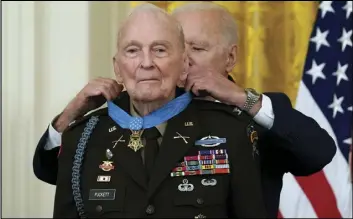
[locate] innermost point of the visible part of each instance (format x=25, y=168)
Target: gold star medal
x=135, y=142
x=135, y=126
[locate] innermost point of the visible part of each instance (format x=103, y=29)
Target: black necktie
x=151, y=149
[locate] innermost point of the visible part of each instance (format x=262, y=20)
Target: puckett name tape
x=102, y=194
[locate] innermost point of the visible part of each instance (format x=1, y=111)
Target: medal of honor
x=135, y=142
x=138, y=124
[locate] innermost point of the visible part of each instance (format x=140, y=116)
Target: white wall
x=50, y=51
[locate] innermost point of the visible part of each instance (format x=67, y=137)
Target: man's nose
x=189, y=54
x=147, y=60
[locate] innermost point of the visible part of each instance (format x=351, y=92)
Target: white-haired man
x=111, y=165
x=293, y=142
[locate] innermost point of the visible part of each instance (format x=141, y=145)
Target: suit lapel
x=128, y=159
x=173, y=149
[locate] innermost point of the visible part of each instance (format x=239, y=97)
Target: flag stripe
x=279, y=216
x=294, y=203
x=336, y=173
x=315, y=188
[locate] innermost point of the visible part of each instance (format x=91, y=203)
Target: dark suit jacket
x=295, y=144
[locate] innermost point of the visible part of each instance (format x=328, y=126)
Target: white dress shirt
x=264, y=117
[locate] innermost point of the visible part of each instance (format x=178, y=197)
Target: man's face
x=205, y=44
x=150, y=58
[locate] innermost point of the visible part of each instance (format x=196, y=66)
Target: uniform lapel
x=173, y=149
x=128, y=159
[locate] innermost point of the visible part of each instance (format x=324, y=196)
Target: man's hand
x=219, y=87
x=92, y=96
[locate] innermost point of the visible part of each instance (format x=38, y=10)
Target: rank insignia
x=210, y=141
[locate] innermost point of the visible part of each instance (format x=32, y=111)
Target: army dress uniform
x=205, y=168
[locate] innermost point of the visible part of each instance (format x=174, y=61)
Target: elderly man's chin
x=150, y=91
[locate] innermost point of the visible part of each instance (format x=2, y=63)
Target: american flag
x=325, y=94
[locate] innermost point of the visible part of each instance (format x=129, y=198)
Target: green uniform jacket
x=237, y=194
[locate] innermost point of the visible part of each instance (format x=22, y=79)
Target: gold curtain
x=273, y=41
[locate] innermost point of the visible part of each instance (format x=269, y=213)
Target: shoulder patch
x=253, y=136
x=85, y=118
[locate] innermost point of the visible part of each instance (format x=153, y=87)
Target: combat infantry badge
x=135, y=142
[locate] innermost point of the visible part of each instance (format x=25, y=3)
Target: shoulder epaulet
x=85, y=118
x=234, y=111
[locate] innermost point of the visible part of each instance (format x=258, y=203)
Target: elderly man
x=293, y=142
x=110, y=166
x=288, y=142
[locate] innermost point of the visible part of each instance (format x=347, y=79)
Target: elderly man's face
x=150, y=59
x=204, y=41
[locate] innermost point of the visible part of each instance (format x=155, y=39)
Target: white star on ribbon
x=348, y=7
x=341, y=73
x=345, y=39
x=320, y=39
x=316, y=71
x=325, y=7
x=350, y=108
x=336, y=105
x=348, y=141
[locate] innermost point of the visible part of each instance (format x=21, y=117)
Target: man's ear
x=184, y=74
x=231, y=58
x=119, y=79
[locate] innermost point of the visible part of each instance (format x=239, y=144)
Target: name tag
x=102, y=194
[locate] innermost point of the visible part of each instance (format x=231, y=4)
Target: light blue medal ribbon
x=138, y=124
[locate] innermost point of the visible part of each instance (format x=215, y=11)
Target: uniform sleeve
x=45, y=163
x=54, y=138
x=306, y=147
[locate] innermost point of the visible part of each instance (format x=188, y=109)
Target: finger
x=188, y=84
x=107, y=85
x=117, y=87
x=105, y=92
x=195, y=89
x=113, y=86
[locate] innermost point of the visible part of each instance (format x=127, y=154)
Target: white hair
x=148, y=7
x=228, y=24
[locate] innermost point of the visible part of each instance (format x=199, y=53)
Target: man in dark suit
x=173, y=156
x=289, y=141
